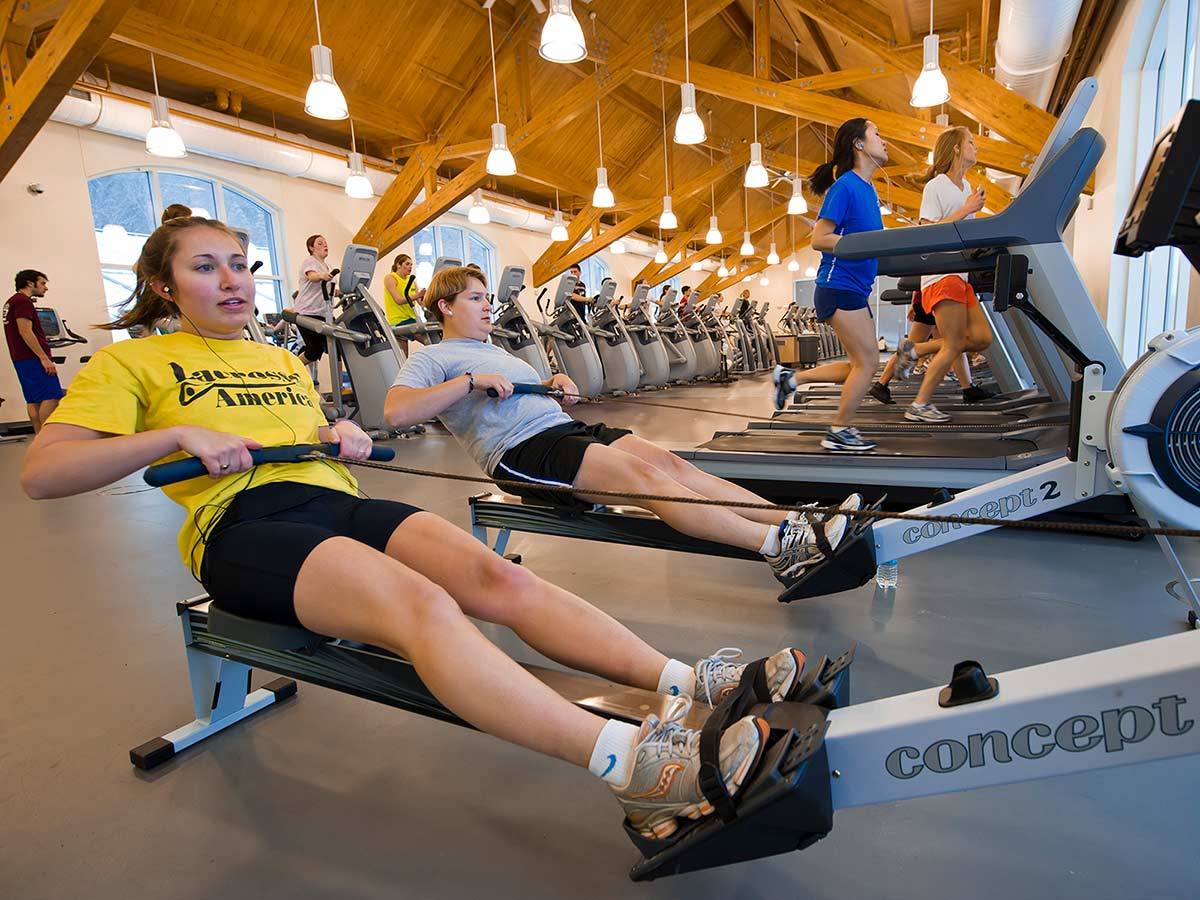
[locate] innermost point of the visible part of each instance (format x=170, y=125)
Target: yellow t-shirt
x=398, y=307
x=240, y=387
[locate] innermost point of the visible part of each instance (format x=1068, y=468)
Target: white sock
x=613, y=755
x=677, y=679
x=770, y=545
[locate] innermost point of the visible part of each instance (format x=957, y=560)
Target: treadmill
x=778, y=459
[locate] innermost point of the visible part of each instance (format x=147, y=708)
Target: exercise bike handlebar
x=523, y=388
x=179, y=470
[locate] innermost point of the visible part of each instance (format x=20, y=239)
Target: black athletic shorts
x=314, y=344
x=553, y=457
x=255, y=552
x=918, y=311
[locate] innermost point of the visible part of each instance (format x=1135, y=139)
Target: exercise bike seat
x=267, y=635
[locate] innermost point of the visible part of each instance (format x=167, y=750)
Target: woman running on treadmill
x=844, y=286
x=951, y=300
x=529, y=438
x=294, y=544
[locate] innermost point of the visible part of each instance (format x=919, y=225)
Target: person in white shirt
x=310, y=301
x=963, y=327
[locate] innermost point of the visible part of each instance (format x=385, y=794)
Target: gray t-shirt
x=310, y=300
x=487, y=428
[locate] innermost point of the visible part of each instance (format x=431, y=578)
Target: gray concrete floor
x=330, y=796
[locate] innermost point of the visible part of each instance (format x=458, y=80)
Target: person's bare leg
x=31, y=410
x=45, y=408
x=698, y=480
x=856, y=330
x=830, y=373
x=607, y=468
x=349, y=590
x=554, y=622
x=962, y=370
x=952, y=323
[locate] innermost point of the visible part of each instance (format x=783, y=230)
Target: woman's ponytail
x=849, y=133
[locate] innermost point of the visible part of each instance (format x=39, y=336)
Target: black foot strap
x=751, y=690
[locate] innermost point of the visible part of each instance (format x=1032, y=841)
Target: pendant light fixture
x=562, y=38
x=667, y=221
x=797, y=205
x=930, y=88
x=764, y=281
x=793, y=263
x=478, y=213
x=722, y=269
x=747, y=248
x=602, y=197
x=811, y=271
x=162, y=139
x=773, y=254
x=689, y=129
x=500, y=160
x=714, y=233
x=617, y=247
x=558, y=232
x=358, y=186
x=660, y=255
x=324, y=99
x=756, y=172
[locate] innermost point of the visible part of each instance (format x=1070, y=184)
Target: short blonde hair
x=448, y=284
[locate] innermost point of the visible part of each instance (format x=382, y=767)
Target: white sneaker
x=719, y=674
x=799, y=548
x=853, y=503
x=926, y=413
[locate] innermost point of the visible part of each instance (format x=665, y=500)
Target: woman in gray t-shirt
x=310, y=299
x=528, y=438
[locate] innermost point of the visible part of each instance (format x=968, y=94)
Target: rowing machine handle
x=522, y=388
x=185, y=469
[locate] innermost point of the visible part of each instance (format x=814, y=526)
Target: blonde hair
x=948, y=146
x=144, y=306
x=448, y=284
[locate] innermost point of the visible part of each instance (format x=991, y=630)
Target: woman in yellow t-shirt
x=295, y=544
x=400, y=295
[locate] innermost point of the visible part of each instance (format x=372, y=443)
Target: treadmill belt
x=866, y=416
x=890, y=445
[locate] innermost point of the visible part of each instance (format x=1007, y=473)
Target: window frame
x=437, y=229
x=219, y=185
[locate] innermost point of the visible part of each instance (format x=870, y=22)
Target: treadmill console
x=358, y=268
x=446, y=262
x=50, y=322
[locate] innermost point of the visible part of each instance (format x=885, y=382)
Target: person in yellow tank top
x=295, y=544
x=400, y=292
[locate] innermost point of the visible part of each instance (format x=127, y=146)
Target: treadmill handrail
x=1037, y=215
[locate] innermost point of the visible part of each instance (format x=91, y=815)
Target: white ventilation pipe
x=1034, y=37
x=125, y=112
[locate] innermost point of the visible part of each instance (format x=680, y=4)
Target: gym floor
x=331, y=796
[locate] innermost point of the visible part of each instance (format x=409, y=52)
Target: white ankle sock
x=677, y=679
x=770, y=545
x=613, y=755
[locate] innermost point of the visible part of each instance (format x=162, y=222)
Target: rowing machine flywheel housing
x=1154, y=430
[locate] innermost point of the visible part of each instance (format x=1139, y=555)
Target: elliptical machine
x=512, y=330
x=677, y=340
x=570, y=340
x=618, y=357
x=647, y=341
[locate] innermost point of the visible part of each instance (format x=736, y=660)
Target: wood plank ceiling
x=419, y=69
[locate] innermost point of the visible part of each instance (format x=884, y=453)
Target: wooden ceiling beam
x=977, y=95
x=70, y=46
x=762, y=39
x=843, y=78
x=401, y=192
x=901, y=24
x=661, y=33
x=218, y=57
x=761, y=223
x=515, y=35
x=551, y=263
x=820, y=108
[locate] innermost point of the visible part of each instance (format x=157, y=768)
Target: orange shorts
x=949, y=288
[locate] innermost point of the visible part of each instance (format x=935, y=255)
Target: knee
x=430, y=606
x=506, y=592
x=643, y=476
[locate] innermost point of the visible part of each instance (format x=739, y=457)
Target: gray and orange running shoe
x=720, y=673
x=665, y=785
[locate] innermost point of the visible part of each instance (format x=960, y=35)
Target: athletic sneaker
x=799, y=548
x=718, y=674
x=853, y=503
x=926, y=412
x=882, y=393
x=785, y=385
x=906, y=359
x=846, y=440
x=977, y=394
x=666, y=770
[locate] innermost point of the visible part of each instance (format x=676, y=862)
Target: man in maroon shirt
x=29, y=349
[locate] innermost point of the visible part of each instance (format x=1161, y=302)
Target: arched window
x=127, y=206
x=1149, y=294
x=594, y=270
x=455, y=242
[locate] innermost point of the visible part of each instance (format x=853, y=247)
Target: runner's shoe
x=718, y=674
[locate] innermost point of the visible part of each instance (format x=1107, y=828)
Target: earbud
x=859, y=145
x=166, y=290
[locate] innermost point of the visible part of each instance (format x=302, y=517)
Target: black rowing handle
x=184, y=469
x=522, y=388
